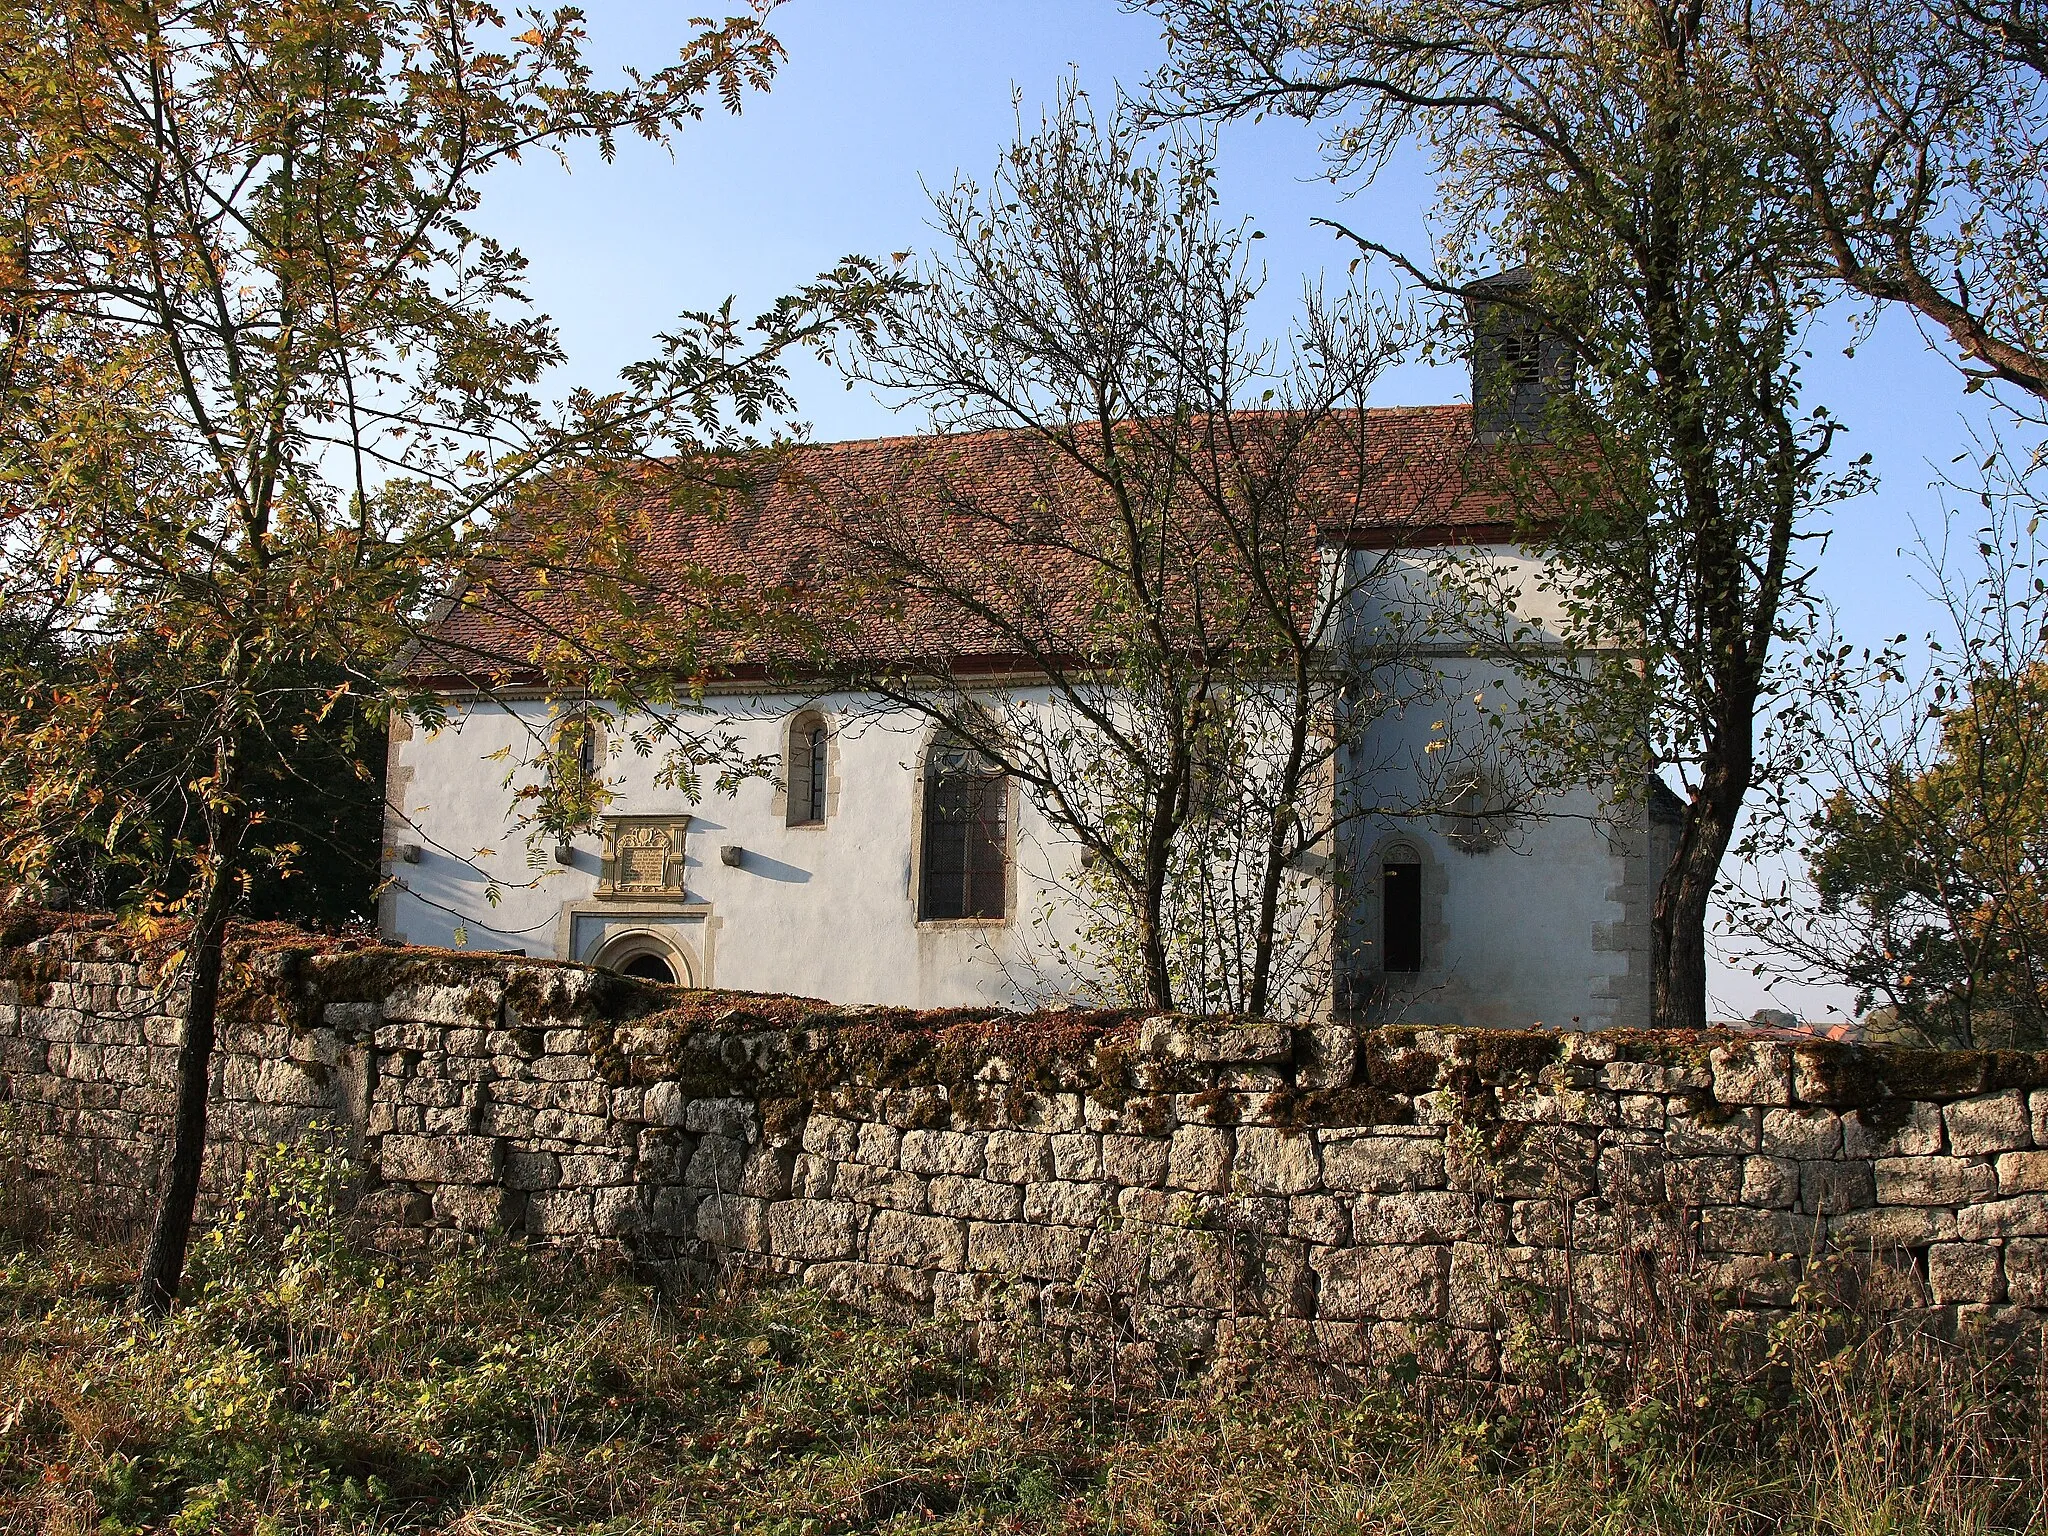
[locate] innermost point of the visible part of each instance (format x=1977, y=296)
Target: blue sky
x=881, y=98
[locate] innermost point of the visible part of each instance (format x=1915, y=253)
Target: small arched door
x=646, y=956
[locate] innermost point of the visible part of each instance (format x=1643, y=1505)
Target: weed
x=311, y=1385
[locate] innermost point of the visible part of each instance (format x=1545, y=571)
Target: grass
x=309, y=1385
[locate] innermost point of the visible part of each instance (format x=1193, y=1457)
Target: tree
x=1915, y=138
x=265, y=391
x=1150, y=556
x=1918, y=836
x=1606, y=153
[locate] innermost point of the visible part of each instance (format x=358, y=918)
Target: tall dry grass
x=310, y=1385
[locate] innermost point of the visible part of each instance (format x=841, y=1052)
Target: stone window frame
x=690, y=927
x=618, y=829
x=920, y=777
x=1405, y=847
x=797, y=763
x=593, y=742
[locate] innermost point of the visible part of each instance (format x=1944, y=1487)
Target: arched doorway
x=650, y=967
x=646, y=955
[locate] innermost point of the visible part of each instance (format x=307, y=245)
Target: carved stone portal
x=643, y=856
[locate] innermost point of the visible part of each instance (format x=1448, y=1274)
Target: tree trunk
x=1678, y=943
x=163, y=1262
x=1278, y=832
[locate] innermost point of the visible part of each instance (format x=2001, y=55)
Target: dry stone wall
x=1139, y=1183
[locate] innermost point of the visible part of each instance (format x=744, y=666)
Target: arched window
x=1400, y=911
x=966, y=844
x=808, y=762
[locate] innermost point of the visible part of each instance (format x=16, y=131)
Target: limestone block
x=1054, y=1113
x=438, y=1159
x=531, y=1170
x=422, y=1004
x=1583, y=1226
x=1934, y=1181
x=1135, y=1160
x=663, y=1156
x=929, y=1152
x=717, y=1164
x=558, y=1213
x=561, y=1069
x=2037, y=1110
x=1016, y=1157
x=1802, y=1134
x=395, y=1205
x=1991, y=1122
x=1169, y=1207
x=1532, y=1161
x=1964, y=1272
x=1770, y=1181
x=813, y=1230
x=1332, y=1056
x=1633, y=1175
x=1199, y=1159
x=975, y=1199
x=1077, y=1155
x=1277, y=1162
x=735, y=1222
x=514, y=1120
x=673, y=1211
x=587, y=1100
x=890, y=1188
x=2026, y=1272
x=1642, y=1111
x=1752, y=1072
x=617, y=1212
x=1428, y=1216
x=732, y=1118
x=1397, y=1284
x=1831, y=1189
x=2022, y=1172
x=1491, y=1282
x=2018, y=1216
x=830, y=1136
x=1700, y=1130
x=877, y=1145
x=812, y=1177
x=1885, y=1227
x=768, y=1172
x=1745, y=1280
x=242, y=1077
x=1892, y=1129
x=1382, y=1164
x=586, y=1169
x=1062, y=1204
x=1188, y=1269
x=1179, y=1040
x=1017, y=1248
x=1744, y=1229
x=917, y=1242
x=1324, y=1220
x=665, y=1103
x=902, y=1108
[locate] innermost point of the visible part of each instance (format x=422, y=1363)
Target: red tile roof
x=788, y=540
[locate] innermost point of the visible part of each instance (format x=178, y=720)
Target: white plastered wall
x=824, y=911
x=1550, y=926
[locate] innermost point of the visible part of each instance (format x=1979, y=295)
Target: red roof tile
x=980, y=506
